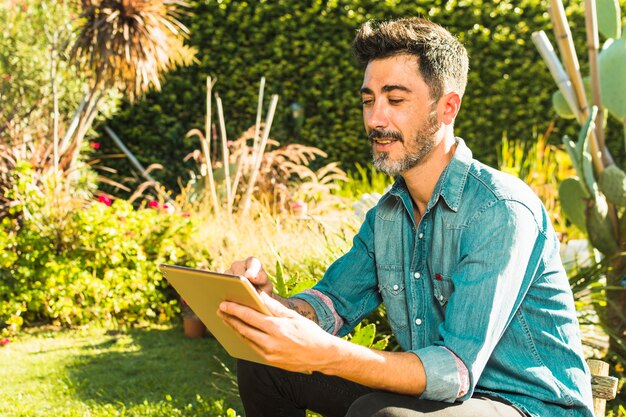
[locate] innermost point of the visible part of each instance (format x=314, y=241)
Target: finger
x=252, y=336
x=246, y=314
x=237, y=268
x=253, y=268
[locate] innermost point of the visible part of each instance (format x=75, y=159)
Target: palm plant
x=123, y=44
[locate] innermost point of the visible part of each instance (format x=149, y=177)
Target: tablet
x=204, y=291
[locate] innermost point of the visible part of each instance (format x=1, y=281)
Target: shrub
x=70, y=261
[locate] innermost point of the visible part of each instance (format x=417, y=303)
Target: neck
x=422, y=178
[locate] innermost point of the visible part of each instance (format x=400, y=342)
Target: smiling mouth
x=383, y=141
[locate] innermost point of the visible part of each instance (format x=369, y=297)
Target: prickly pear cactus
x=612, y=60
x=599, y=227
x=609, y=18
x=573, y=198
x=612, y=183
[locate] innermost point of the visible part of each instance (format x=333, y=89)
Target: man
x=464, y=258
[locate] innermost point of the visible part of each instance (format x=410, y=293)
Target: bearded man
x=463, y=257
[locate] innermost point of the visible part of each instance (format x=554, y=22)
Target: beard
x=416, y=151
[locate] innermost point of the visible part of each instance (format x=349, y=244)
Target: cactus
x=612, y=183
x=599, y=226
x=573, y=197
x=609, y=23
x=594, y=200
x=613, y=78
x=584, y=200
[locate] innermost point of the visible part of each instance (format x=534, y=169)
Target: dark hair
x=442, y=59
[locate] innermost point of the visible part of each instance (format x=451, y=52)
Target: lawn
x=93, y=372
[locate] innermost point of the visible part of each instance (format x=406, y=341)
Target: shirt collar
x=451, y=182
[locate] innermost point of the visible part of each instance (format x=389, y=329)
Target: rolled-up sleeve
x=443, y=379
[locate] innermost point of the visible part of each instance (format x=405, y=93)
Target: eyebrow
x=386, y=89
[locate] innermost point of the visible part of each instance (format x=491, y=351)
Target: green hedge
x=303, y=49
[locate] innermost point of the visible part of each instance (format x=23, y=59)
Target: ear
x=450, y=104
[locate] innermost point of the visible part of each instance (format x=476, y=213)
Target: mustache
x=385, y=134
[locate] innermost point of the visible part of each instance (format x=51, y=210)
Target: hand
x=252, y=270
x=285, y=339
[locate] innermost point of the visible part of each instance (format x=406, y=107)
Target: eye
x=367, y=101
x=395, y=100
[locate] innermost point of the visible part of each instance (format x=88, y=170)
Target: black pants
x=272, y=392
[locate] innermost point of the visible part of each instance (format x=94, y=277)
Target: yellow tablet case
x=204, y=291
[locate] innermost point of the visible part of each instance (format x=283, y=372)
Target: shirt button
x=418, y=321
x=421, y=235
x=441, y=298
x=395, y=287
x=417, y=275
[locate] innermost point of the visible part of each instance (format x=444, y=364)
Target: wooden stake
x=593, y=44
x=257, y=165
x=570, y=60
x=225, y=158
x=206, y=150
x=257, y=127
x=144, y=173
x=559, y=75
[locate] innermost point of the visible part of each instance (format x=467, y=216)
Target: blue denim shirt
x=479, y=275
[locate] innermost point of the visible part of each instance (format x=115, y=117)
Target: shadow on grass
x=150, y=366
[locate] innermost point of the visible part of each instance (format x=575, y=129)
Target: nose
x=375, y=116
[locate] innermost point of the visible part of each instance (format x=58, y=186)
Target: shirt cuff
x=327, y=317
x=443, y=380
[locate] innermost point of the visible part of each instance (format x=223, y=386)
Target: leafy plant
x=69, y=260
x=276, y=176
x=363, y=180
x=366, y=336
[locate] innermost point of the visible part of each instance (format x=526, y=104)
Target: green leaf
x=570, y=147
x=613, y=77
x=609, y=20
x=364, y=336
x=381, y=344
x=560, y=105
x=279, y=280
x=584, y=155
x=572, y=196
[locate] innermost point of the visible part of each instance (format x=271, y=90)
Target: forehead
x=398, y=70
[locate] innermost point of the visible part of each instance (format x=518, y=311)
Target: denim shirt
x=479, y=275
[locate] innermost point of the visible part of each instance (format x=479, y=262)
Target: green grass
x=92, y=372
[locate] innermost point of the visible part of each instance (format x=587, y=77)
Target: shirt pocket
x=393, y=292
x=443, y=287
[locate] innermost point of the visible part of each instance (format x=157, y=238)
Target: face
x=400, y=116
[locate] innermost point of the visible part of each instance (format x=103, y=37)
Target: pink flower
x=95, y=145
x=104, y=200
x=165, y=207
x=5, y=341
x=153, y=204
x=186, y=214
